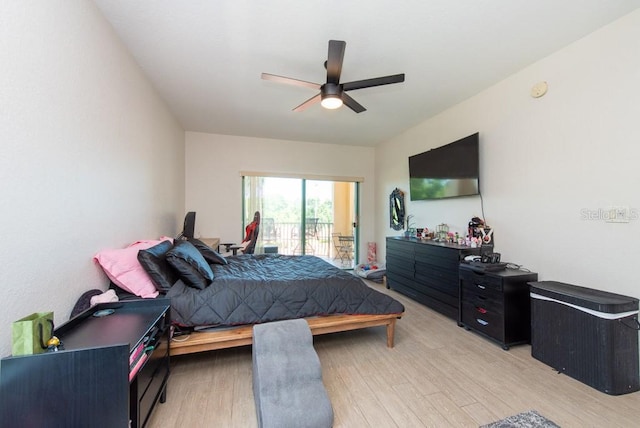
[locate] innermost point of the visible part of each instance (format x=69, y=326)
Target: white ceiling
x=205, y=57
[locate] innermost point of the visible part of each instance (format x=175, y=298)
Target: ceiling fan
x=333, y=93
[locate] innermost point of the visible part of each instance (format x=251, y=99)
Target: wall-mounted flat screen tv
x=449, y=171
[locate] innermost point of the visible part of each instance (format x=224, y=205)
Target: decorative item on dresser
x=111, y=370
x=426, y=271
x=496, y=303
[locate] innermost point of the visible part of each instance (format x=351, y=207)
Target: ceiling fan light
x=331, y=102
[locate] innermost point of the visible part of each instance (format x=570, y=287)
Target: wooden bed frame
x=243, y=335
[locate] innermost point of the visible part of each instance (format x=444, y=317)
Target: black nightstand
x=496, y=304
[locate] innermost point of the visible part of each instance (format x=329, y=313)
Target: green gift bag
x=31, y=334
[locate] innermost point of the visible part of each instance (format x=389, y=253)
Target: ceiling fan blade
x=311, y=101
x=290, y=81
x=334, y=60
x=352, y=104
x=377, y=81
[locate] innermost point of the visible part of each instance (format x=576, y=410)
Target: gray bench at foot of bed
x=287, y=378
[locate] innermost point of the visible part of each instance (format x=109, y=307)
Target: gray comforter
x=260, y=288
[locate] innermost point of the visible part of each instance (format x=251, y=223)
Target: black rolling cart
x=496, y=304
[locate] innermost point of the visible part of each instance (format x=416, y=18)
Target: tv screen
x=446, y=172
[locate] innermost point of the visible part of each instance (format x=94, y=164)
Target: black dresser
x=426, y=271
x=496, y=304
x=113, y=370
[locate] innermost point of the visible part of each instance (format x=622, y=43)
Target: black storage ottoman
x=588, y=334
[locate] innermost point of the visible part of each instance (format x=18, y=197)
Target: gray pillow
x=190, y=264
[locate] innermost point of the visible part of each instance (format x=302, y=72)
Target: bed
x=216, y=300
x=242, y=335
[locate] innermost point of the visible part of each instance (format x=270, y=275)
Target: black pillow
x=209, y=254
x=192, y=267
x=154, y=262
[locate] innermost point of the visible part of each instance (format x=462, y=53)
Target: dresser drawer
x=394, y=278
x=480, y=288
x=400, y=247
x=481, y=281
x=484, y=320
x=400, y=265
x=445, y=259
x=489, y=301
x=476, y=289
x=155, y=362
x=153, y=391
x=151, y=379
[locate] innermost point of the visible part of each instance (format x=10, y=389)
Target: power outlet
x=618, y=215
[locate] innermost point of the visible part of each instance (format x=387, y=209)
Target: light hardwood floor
x=437, y=375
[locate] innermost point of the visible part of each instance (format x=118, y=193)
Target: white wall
x=545, y=161
x=214, y=184
x=90, y=156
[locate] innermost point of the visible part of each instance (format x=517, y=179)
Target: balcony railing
x=288, y=238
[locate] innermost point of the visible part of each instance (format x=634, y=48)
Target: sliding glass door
x=300, y=216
